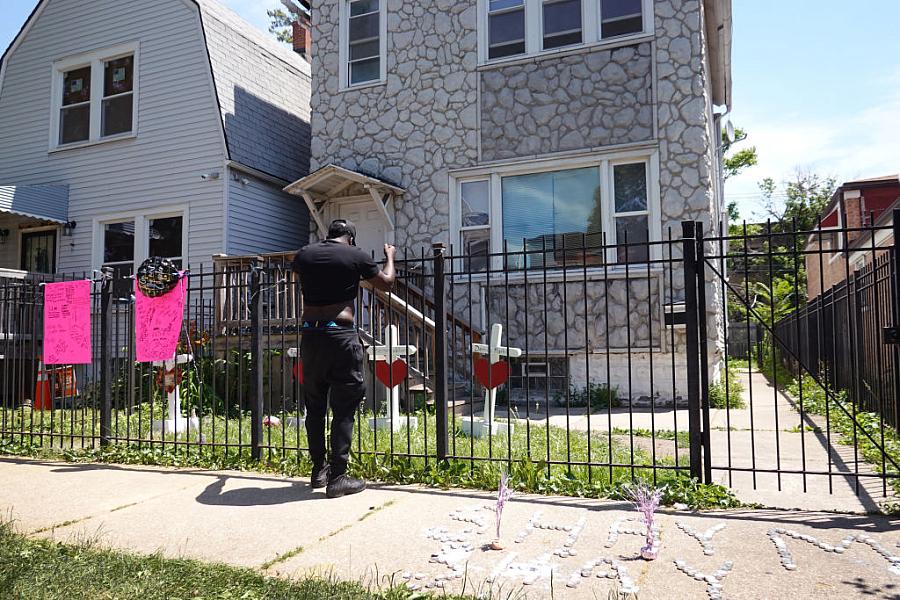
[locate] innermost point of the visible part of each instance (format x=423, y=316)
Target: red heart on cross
x=298, y=371
x=491, y=375
x=391, y=375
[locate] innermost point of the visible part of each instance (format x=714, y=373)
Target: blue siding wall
x=262, y=218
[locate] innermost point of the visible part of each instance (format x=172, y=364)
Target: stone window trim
x=141, y=220
x=534, y=38
x=96, y=60
x=604, y=161
x=344, y=48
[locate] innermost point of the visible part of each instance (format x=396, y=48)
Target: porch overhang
x=44, y=202
x=333, y=183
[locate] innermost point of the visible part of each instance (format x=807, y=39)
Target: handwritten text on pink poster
x=158, y=323
x=67, y=323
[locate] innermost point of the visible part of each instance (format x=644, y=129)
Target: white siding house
x=172, y=125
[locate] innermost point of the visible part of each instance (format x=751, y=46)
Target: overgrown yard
x=37, y=568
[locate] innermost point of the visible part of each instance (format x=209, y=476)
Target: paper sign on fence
x=158, y=323
x=67, y=323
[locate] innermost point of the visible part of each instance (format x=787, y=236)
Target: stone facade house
x=520, y=124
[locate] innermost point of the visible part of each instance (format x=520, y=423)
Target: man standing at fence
x=332, y=354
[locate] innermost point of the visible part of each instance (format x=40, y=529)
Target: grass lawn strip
x=38, y=568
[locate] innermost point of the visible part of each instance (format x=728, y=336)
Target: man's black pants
x=332, y=362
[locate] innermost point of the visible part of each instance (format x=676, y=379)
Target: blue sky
x=816, y=85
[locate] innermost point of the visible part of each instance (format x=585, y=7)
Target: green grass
x=530, y=456
x=683, y=437
x=37, y=568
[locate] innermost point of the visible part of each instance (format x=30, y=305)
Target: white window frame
x=141, y=232
x=534, y=30
x=605, y=162
x=344, y=53
x=96, y=60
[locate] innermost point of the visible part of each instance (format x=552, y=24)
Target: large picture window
x=513, y=28
x=94, y=97
x=598, y=211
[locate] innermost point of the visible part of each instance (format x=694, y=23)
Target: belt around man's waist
x=328, y=325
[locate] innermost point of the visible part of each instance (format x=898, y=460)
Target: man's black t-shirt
x=330, y=272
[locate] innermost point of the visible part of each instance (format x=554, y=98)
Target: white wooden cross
x=494, y=352
x=390, y=351
x=175, y=423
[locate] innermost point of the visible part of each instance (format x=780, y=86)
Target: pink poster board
x=158, y=323
x=67, y=323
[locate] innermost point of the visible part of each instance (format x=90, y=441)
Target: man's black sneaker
x=319, y=477
x=344, y=486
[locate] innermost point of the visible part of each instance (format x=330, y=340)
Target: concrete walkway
x=283, y=528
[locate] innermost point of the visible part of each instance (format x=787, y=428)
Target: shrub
x=599, y=396
x=732, y=397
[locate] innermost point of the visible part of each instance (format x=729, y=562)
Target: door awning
x=333, y=183
x=45, y=202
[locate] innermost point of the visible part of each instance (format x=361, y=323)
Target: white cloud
x=860, y=145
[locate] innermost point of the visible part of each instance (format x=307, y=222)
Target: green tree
x=280, y=19
x=740, y=160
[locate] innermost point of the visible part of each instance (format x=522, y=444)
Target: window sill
x=363, y=86
x=616, y=271
x=611, y=44
x=88, y=144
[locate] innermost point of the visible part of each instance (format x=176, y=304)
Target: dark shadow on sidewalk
x=214, y=495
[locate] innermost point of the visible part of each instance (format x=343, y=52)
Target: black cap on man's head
x=342, y=227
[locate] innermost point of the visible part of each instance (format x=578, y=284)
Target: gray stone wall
x=417, y=125
x=552, y=104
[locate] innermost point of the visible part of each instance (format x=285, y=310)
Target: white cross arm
x=377, y=352
x=500, y=351
x=180, y=360
x=293, y=352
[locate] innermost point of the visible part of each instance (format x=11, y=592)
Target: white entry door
x=370, y=226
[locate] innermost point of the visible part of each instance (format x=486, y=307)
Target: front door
x=370, y=225
x=39, y=251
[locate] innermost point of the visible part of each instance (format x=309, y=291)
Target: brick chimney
x=302, y=39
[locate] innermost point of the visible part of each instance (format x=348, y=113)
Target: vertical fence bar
x=256, y=355
x=440, y=354
x=702, y=324
x=692, y=334
x=894, y=275
x=106, y=292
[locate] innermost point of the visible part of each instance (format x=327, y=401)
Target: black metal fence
x=568, y=354
x=598, y=353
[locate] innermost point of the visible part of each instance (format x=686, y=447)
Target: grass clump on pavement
x=39, y=568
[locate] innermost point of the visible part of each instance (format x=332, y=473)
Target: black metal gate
x=811, y=402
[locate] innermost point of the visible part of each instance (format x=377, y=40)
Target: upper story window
x=363, y=51
x=506, y=28
x=525, y=27
x=621, y=17
x=94, y=97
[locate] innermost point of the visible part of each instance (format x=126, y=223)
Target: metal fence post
x=440, y=353
x=106, y=293
x=692, y=332
x=256, y=369
x=702, y=331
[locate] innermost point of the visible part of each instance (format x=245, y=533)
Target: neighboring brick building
x=842, y=241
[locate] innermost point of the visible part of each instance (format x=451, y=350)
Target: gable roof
x=262, y=89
